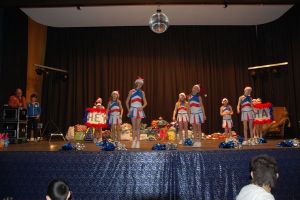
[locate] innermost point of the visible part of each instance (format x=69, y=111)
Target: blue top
x=33, y=109
x=194, y=98
x=138, y=93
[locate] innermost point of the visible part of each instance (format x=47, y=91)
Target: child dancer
x=226, y=112
x=98, y=131
x=135, y=103
x=182, y=110
x=115, y=113
x=197, y=115
x=34, y=112
x=245, y=106
x=258, y=122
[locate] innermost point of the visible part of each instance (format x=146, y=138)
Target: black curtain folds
x=13, y=52
x=100, y=60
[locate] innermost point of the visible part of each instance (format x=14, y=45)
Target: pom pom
x=119, y=146
x=261, y=140
x=106, y=145
x=79, y=146
x=159, y=147
x=289, y=143
x=171, y=146
x=188, y=142
x=240, y=139
x=229, y=143
x=67, y=147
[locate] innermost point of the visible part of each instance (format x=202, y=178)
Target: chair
x=280, y=122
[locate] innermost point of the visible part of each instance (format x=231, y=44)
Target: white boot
x=197, y=144
x=133, y=143
x=137, y=146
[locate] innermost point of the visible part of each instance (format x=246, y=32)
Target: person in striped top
x=182, y=110
x=245, y=107
x=226, y=112
x=115, y=113
x=197, y=116
x=135, y=103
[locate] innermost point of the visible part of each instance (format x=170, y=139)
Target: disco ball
x=159, y=22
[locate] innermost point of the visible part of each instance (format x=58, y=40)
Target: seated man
x=264, y=175
x=17, y=100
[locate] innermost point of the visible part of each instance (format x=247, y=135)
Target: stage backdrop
x=100, y=60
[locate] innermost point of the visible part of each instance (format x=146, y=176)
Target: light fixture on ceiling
x=159, y=22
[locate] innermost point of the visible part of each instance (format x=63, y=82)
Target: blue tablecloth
x=216, y=175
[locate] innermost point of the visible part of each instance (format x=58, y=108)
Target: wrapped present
x=154, y=123
x=89, y=136
x=80, y=128
x=79, y=136
x=126, y=127
x=143, y=136
x=70, y=133
x=163, y=134
x=171, y=134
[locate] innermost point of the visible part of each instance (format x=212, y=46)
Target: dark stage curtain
x=186, y=175
x=13, y=52
x=279, y=41
x=101, y=60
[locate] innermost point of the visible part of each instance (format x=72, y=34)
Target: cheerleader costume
x=227, y=120
x=114, y=113
x=136, y=100
x=247, y=110
x=196, y=116
x=182, y=113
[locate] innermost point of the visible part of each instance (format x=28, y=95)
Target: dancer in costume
x=135, y=103
x=263, y=115
x=226, y=112
x=98, y=130
x=115, y=113
x=197, y=114
x=255, y=125
x=182, y=110
x=245, y=107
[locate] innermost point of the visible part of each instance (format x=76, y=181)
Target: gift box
x=79, y=136
x=80, y=128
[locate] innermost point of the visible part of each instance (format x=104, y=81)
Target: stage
x=187, y=173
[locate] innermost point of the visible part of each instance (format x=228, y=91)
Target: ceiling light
x=159, y=22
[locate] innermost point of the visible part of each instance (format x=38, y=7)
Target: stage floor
x=207, y=145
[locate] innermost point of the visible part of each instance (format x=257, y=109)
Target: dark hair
x=264, y=170
x=33, y=96
x=58, y=190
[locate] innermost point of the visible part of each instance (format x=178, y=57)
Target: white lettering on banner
x=96, y=118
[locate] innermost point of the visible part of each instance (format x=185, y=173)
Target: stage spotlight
x=39, y=71
x=159, y=22
x=65, y=77
x=253, y=73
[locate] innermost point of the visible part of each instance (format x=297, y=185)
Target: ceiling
x=138, y=15
x=67, y=3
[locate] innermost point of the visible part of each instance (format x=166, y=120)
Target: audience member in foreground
x=264, y=175
x=58, y=190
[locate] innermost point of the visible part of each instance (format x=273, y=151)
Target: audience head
x=33, y=97
x=58, y=190
x=19, y=92
x=264, y=171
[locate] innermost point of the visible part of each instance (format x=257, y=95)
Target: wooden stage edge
x=207, y=145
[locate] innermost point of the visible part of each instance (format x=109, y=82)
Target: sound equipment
x=14, y=122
